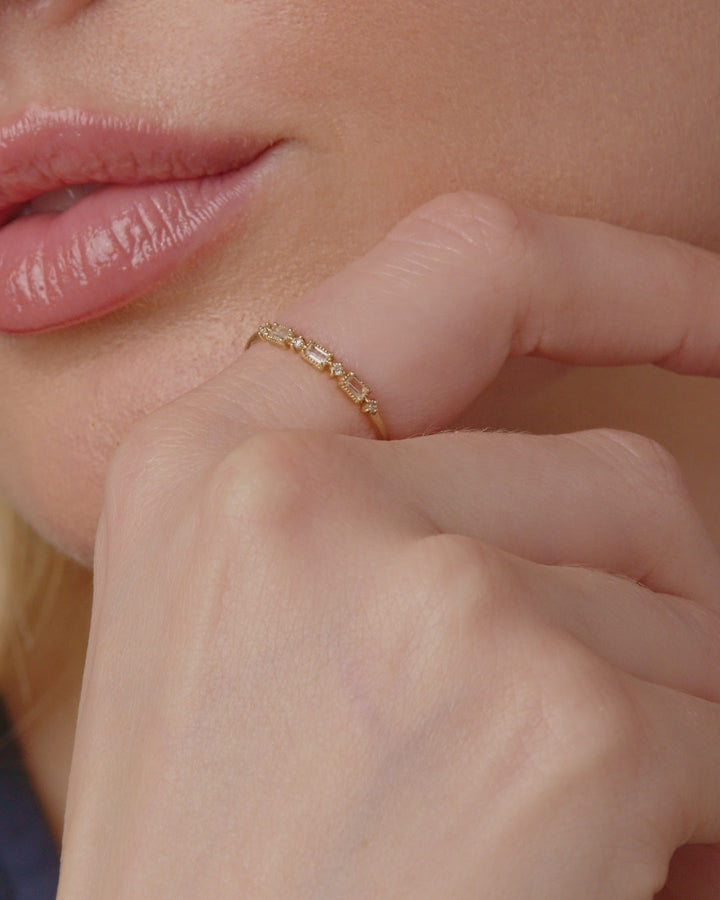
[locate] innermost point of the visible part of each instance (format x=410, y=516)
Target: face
x=602, y=109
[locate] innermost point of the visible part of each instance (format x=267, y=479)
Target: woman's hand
x=459, y=665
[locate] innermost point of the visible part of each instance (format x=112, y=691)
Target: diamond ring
x=325, y=361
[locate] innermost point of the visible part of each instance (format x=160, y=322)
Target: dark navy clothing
x=29, y=860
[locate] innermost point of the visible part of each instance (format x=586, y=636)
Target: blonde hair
x=32, y=574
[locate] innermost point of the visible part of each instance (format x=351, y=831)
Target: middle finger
x=603, y=499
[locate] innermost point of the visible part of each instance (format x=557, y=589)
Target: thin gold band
x=325, y=361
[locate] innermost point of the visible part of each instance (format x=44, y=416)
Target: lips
x=95, y=210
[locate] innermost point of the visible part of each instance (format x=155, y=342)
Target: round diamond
x=337, y=370
x=298, y=343
x=371, y=407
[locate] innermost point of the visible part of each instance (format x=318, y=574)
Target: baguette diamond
x=323, y=359
x=316, y=355
x=356, y=390
x=278, y=334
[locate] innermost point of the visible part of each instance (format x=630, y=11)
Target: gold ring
x=325, y=361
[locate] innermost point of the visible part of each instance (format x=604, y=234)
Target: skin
x=606, y=111
x=457, y=662
x=423, y=99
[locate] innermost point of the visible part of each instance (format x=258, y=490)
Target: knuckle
x=588, y=739
x=458, y=590
x=689, y=271
x=591, y=725
x=500, y=242
x=465, y=220
x=266, y=484
x=450, y=565
x=648, y=465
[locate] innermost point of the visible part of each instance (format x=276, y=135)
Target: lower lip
x=57, y=269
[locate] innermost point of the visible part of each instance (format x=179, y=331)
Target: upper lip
x=46, y=149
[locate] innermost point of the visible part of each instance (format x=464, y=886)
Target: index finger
x=430, y=315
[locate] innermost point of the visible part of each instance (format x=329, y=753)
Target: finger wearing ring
x=325, y=361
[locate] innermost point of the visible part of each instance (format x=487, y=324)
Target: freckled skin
x=607, y=110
